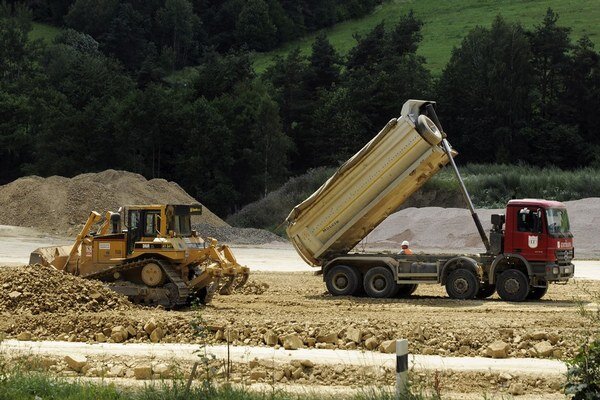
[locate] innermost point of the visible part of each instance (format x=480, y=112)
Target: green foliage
x=583, y=375
x=254, y=27
x=445, y=25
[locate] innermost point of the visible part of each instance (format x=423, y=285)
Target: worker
x=405, y=249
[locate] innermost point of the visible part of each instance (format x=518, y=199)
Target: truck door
x=134, y=229
x=528, y=238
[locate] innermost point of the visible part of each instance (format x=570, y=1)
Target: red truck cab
x=536, y=241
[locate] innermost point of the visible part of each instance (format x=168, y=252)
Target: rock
x=14, y=295
x=292, y=342
x=330, y=338
x=464, y=350
x=371, y=343
x=116, y=371
x=543, y=349
x=278, y=375
x=256, y=375
x=505, y=376
x=219, y=335
x=76, y=362
x=539, y=335
x=164, y=370
x=497, y=349
x=119, y=334
x=553, y=338
x=557, y=353
x=253, y=363
x=270, y=338
x=310, y=342
x=157, y=335
x=354, y=335
x=150, y=326
x=24, y=336
x=297, y=373
x=307, y=363
x=100, y=337
x=516, y=389
x=142, y=372
x=388, y=346
x=131, y=331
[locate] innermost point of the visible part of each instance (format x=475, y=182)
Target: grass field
x=448, y=21
x=43, y=31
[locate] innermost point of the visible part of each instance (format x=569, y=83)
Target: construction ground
x=284, y=331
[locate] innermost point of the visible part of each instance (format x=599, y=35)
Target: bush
x=583, y=375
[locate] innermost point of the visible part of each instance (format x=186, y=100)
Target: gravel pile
x=61, y=205
x=230, y=234
x=37, y=289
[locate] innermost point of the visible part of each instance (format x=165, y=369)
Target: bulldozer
x=155, y=259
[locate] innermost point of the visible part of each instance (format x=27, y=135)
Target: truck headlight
x=555, y=270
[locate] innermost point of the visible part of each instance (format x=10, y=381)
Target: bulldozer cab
x=149, y=222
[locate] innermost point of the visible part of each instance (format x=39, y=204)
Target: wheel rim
x=461, y=285
x=512, y=285
x=378, y=283
x=152, y=274
x=340, y=281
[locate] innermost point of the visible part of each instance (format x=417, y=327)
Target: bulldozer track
x=172, y=274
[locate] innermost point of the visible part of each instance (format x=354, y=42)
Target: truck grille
x=564, y=256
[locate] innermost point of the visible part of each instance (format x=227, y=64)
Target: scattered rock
x=329, y=338
x=539, y=335
x=543, y=349
x=292, y=342
x=142, y=372
x=256, y=375
x=388, y=346
x=354, y=335
x=307, y=363
x=498, y=349
x=157, y=335
x=76, y=362
x=371, y=343
x=270, y=338
x=24, y=336
x=516, y=389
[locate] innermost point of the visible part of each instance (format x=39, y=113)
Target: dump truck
x=155, y=259
x=528, y=247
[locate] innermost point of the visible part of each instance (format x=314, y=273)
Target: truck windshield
x=558, y=222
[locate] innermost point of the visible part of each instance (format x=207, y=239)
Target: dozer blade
x=211, y=289
x=55, y=256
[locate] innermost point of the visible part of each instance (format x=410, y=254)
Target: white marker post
x=401, y=368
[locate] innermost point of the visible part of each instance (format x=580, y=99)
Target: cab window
x=529, y=220
x=152, y=223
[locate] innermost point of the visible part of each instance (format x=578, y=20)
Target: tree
x=324, y=67
x=179, y=27
x=126, y=37
x=486, y=89
x=254, y=26
x=92, y=16
x=550, y=45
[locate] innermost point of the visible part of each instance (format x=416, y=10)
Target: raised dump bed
x=368, y=187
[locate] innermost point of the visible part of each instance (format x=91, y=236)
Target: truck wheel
x=342, y=280
x=485, y=291
x=379, y=283
x=428, y=130
x=512, y=285
x=406, y=289
x=536, y=293
x=462, y=284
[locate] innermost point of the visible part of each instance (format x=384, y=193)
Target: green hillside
x=448, y=21
x=43, y=31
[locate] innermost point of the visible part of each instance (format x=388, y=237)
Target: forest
x=99, y=96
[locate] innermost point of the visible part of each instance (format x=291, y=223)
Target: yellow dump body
x=365, y=190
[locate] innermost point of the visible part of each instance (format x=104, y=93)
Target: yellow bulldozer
x=156, y=259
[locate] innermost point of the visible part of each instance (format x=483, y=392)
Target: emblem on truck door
x=533, y=242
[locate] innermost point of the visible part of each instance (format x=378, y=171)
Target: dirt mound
x=61, y=205
x=452, y=229
x=231, y=234
x=37, y=289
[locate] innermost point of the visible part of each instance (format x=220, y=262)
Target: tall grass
x=490, y=186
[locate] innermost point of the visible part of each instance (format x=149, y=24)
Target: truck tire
x=406, y=289
x=462, y=284
x=428, y=130
x=485, y=291
x=379, y=283
x=342, y=280
x=536, y=293
x=513, y=285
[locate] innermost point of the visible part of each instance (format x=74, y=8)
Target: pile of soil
x=453, y=230
x=61, y=205
x=37, y=289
